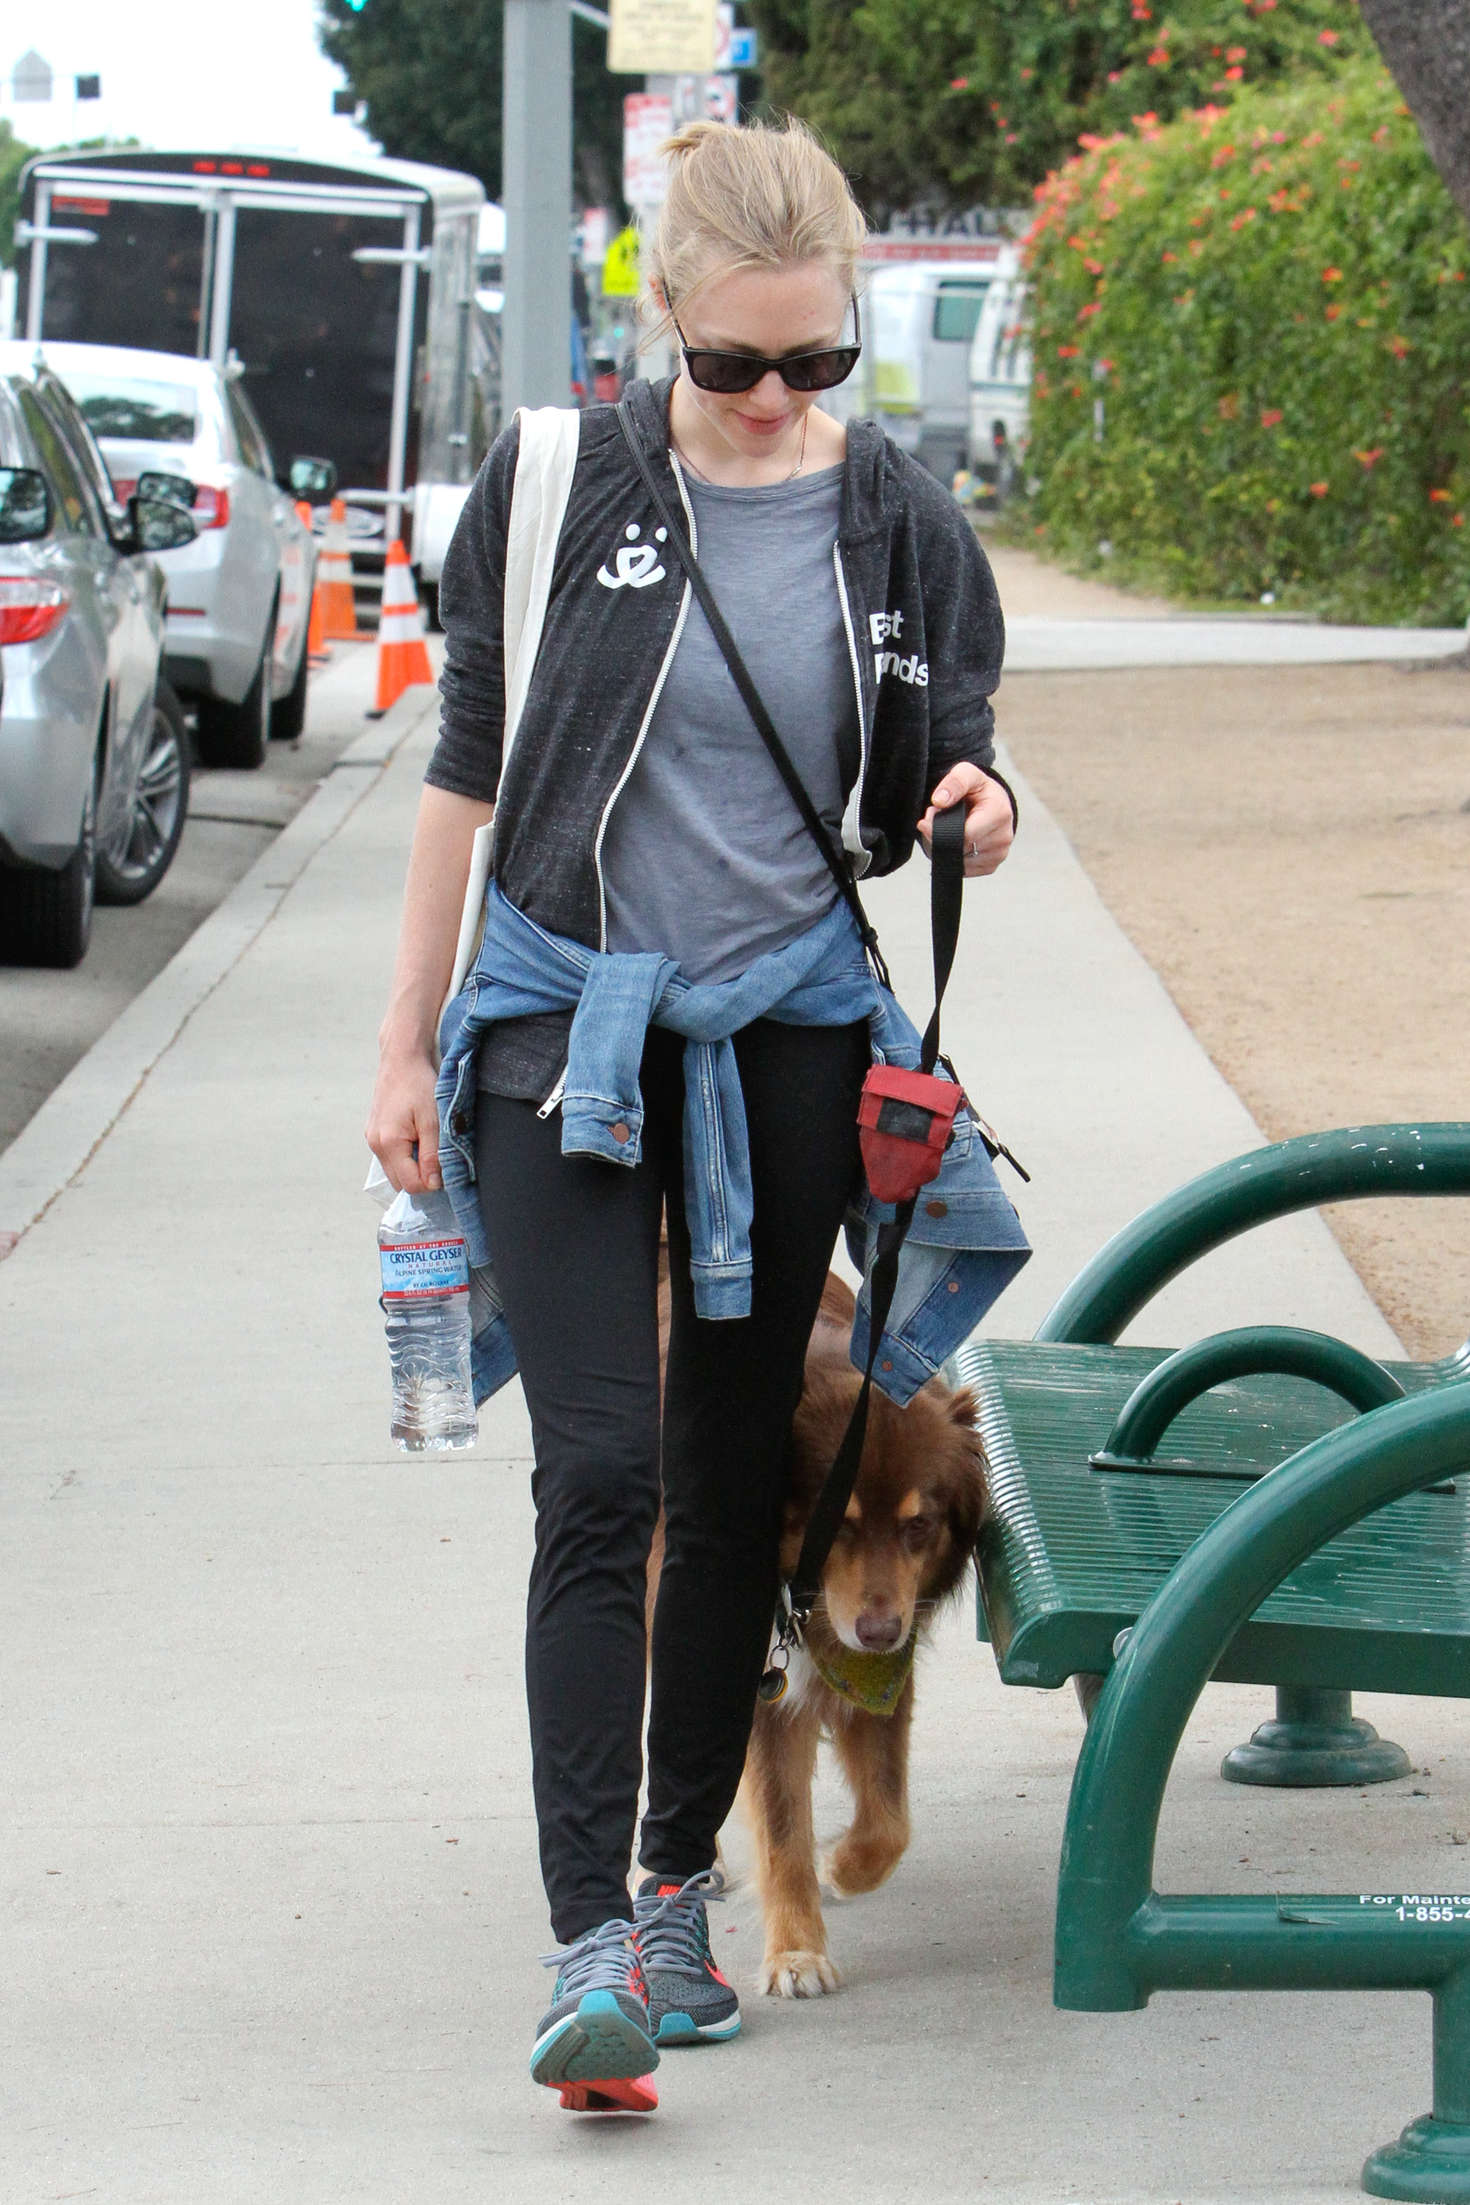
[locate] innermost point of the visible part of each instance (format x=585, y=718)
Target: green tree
x=960, y=102
x=13, y=158
x=430, y=74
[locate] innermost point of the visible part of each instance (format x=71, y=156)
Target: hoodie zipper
x=854, y=806
x=663, y=673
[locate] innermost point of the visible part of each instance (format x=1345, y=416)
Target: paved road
x=48, y=1020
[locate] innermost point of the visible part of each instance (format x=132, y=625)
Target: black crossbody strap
x=754, y=703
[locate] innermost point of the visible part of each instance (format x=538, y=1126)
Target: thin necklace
x=700, y=476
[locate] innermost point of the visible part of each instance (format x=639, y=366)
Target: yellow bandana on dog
x=873, y=1682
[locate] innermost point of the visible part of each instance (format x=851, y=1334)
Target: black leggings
x=574, y=1243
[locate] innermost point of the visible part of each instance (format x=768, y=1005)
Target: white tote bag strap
x=545, y=463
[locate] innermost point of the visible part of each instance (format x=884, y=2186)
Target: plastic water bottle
x=426, y=1309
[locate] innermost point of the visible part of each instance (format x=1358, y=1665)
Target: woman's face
x=769, y=312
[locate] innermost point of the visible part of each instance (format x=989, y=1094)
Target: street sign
x=31, y=77
x=744, y=50
x=620, y=266
x=696, y=99
x=648, y=118
x=652, y=37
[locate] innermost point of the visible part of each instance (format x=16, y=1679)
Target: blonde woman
x=667, y=952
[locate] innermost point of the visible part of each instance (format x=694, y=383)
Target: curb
x=79, y=1113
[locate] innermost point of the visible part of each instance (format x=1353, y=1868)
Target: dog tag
x=772, y=1686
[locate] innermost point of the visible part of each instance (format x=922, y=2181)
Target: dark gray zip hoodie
x=924, y=631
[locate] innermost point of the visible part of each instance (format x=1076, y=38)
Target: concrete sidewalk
x=275, y=1904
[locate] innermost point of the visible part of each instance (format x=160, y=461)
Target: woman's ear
x=658, y=295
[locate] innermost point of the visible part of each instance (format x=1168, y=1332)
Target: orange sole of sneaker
x=631, y=2094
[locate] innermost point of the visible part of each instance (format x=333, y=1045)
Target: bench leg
x=1430, y=2162
x=1315, y=1740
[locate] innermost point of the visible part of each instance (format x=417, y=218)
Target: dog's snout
x=879, y=1633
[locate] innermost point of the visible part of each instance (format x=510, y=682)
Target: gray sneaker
x=689, y=2001
x=594, y=2044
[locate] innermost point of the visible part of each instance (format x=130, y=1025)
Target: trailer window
x=154, y=413
x=956, y=311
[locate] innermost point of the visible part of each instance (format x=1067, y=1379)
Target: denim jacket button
x=621, y=1133
x=936, y=1209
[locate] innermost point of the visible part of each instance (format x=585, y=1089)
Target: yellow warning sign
x=620, y=266
x=662, y=37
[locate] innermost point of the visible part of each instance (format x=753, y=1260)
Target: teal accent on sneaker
x=689, y=2000
x=597, y=2027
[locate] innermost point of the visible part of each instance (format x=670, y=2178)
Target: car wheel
x=132, y=866
x=288, y=717
x=45, y=917
x=237, y=734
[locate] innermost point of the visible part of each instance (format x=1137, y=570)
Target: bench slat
x=1070, y=1555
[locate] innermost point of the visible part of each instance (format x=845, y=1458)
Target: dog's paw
x=796, y=1975
x=849, y=1869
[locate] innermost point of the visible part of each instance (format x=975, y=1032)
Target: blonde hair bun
x=757, y=195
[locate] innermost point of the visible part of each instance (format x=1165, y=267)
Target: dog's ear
x=962, y=1409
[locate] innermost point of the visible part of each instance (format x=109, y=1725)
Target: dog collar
x=873, y=1682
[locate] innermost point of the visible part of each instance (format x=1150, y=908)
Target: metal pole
x=224, y=284
x=537, y=191
x=36, y=297
x=408, y=278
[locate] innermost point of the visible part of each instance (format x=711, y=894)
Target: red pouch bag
x=905, y=1120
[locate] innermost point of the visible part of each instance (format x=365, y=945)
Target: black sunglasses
x=732, y=372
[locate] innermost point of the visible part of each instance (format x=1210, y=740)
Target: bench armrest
x=1350, y=1163
x=1157, y=1399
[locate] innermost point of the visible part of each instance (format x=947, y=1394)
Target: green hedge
x=1271, y=303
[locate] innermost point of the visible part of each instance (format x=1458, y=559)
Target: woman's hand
x=989, y=826
x=403, y=1122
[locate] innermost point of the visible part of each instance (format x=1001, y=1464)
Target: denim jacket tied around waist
x=966, y=1241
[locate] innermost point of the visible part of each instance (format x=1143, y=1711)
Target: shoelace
x=602, y=1960
x=669, y=1928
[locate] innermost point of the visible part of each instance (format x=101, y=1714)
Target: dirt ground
x=1290, y=850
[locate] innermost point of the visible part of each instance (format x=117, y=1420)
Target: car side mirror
x=157, y=524
x=172, y=489
x=25, y=505
x=312, y=479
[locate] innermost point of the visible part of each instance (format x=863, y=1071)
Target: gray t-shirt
x=706, y=856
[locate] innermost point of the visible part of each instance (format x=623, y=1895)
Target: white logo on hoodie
x=637, y=566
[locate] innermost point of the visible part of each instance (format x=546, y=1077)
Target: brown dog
x=909, y=1534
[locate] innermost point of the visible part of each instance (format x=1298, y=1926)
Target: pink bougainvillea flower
x=1115, y=76
x=1068, y=352
x=959, y=84
x=1332, y=275
x=1270, y=417
x=1333, y=312
x=1170, y=256
x=1093, y=267
x=1319, y=489
x=1233, y=75
x=1235, y=53
x=1369, y=458
x=1085, y=313
x=1313, y=137
x=1159, y=58
x=1457, y=520
x=1399, y=347
x=1327, y=38
x=1439, y=497
x=1223, y=154
x=1239, y=221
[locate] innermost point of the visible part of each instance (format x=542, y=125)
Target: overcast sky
x=187, y=73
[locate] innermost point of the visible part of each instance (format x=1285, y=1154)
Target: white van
x=1000, y=385
x=919, y=318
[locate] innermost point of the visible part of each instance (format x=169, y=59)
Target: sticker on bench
x=1410, y=1907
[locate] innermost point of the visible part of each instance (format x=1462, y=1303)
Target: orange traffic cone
x=403, y=655
x=334, y=579
x=316, y=646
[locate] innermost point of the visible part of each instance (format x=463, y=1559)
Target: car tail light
x=29, y=607
x=211, y=508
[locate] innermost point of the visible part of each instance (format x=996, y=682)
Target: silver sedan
x=94, y=759
x=239, y=594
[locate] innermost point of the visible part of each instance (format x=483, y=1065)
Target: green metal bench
x=1267, y=1505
